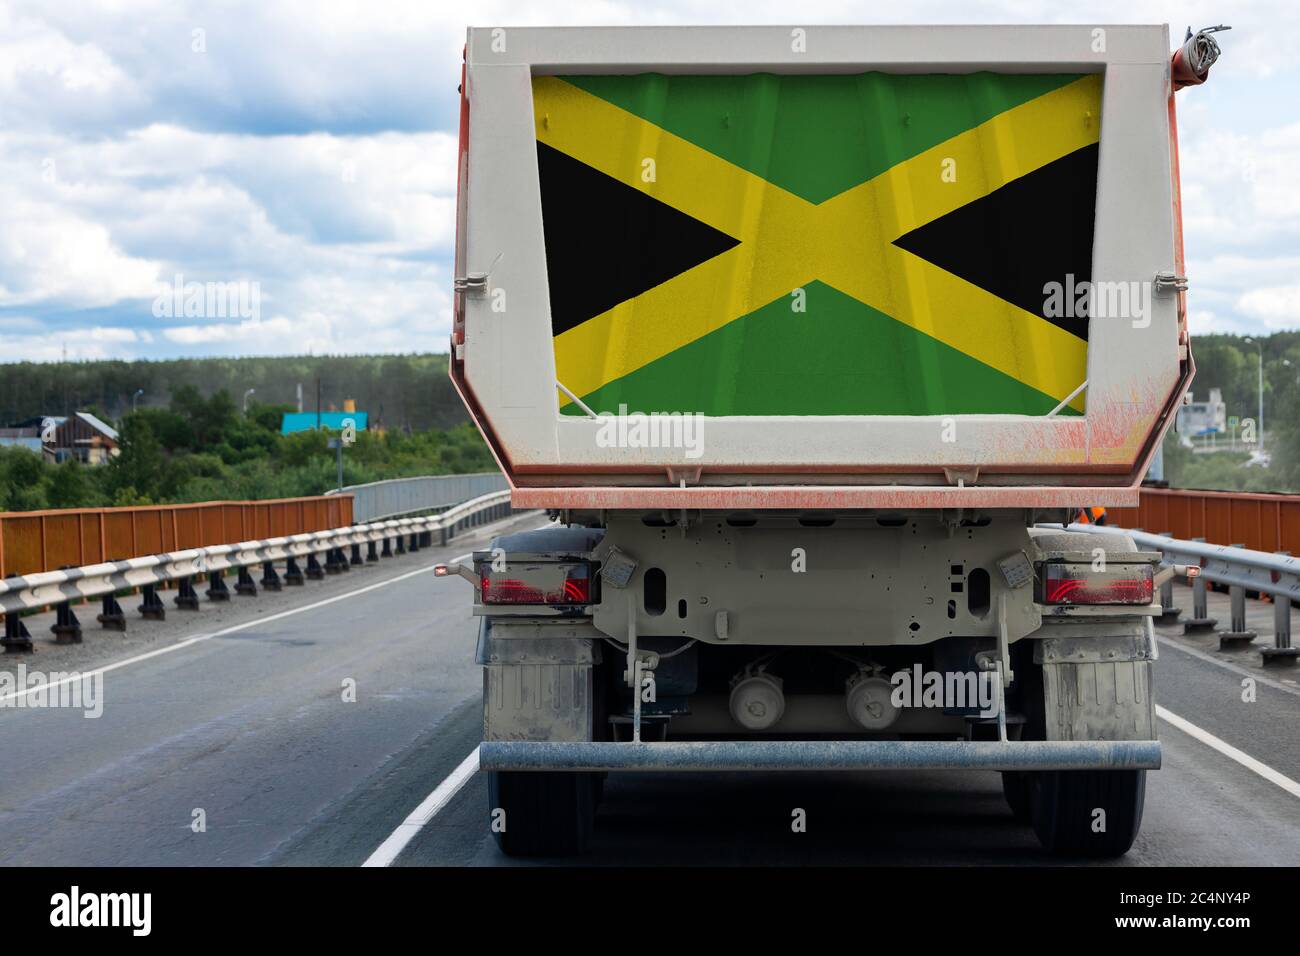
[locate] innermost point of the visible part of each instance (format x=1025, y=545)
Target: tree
x=141, y=464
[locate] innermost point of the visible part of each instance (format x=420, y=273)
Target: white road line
x=207, y=637
x=391, y=848
x=1227, y=665
x=1229, y=751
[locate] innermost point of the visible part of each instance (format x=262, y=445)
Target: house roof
x=106, y=430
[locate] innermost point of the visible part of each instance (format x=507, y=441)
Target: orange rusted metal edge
x=26, y=539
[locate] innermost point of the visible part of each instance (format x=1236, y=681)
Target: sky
x=309, y=148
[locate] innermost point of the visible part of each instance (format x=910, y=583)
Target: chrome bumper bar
x=776, y=755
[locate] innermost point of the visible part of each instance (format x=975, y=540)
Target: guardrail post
x=332, y=561
x=1236, y=635
x=17, y=639
x=152, y=608
x=1200, y=619
x=341, y=560
x=371, y=553
x=186, y=597
x=356, y=555
x=270, y=579
x=66, y=628
x=292, y=573
x=314, y=570
x=445, y=535
x=1281, y=652
x=217, y=590
x=111, y=615
x=386, y=551
x=399, y=543
x=414, y=544
x=245, y=584
x=1168, y=611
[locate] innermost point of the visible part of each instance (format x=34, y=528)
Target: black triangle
x=607, y=242
x=1034, y=230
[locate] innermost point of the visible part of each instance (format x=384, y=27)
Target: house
x=1203, y=418
x=81, y=436
x=22, y=436
x=84, y=437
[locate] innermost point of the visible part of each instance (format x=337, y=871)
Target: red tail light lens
x=542, y=583
x=1081, y=584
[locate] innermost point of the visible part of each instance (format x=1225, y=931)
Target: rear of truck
x=798, y=335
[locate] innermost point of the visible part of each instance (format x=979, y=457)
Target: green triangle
x=838, y=357
x=816, y=136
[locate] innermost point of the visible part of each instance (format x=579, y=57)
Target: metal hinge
x=475, y=282
x=1167, y=282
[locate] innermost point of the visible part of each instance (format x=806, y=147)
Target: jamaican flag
x=871, y=244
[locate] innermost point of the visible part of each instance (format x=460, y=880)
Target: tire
x=1015, y=787
x=1064, y=806
x=546, y=814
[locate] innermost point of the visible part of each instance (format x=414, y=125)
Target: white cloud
x=1278, y=307
x=50, y=254
x=311, y=148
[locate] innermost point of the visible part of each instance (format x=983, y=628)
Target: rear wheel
x=1015, y=787
x=545, y=813
x=1093, y=813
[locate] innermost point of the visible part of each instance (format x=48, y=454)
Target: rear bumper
x=772, y=755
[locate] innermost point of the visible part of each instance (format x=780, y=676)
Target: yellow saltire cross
x=785, y=242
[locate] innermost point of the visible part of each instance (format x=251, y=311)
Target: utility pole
x=318, y=403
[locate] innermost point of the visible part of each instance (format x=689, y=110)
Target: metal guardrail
x=1242, y=569
x=403, y=496
x=61, y=588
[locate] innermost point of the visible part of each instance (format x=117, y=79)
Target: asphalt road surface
x=245, y=747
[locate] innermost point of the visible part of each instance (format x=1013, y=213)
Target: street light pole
x=138, y=393
x=1260, y=423
x=246, y=394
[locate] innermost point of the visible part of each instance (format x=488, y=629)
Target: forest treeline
x=401, y=392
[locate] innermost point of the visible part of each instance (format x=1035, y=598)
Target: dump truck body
x=799, y=334
x=886, y=262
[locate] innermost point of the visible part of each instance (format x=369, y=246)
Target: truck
x=810, y=341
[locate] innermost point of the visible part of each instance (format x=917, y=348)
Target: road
x=249, y=731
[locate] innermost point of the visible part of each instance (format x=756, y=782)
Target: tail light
x=1062, y=583
x=549, y=583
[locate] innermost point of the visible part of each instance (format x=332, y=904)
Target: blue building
x=334, y=421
